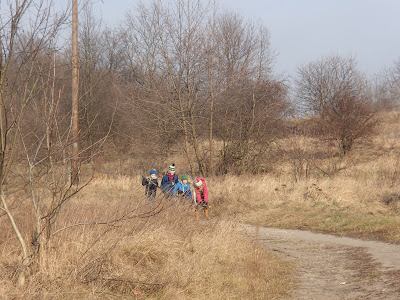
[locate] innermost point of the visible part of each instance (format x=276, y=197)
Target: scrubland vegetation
x=123, y=248
x=192, y=85
x=356, y=195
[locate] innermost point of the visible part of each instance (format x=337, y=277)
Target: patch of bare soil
x=330, y=267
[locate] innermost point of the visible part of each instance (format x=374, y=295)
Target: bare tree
x=75, y=95
x=394, y=80
x=211, y=78
x=165, y=54
x=253, y=105
x=92, y=71
x=18, y=84
x=387, y=88
x=187, y=61
x=335, y=91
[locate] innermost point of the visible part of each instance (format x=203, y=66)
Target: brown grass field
x=361, y=199
x=121, y=247
x=158, y=252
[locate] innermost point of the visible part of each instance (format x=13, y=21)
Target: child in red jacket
x=200, y=189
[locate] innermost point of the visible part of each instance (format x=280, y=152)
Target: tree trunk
x=212, y=95
x=26, y=260
x=196, y=143
x=75, y=94
x=185, y=134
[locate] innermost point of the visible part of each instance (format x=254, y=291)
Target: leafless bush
x=387, y=88
x=389, y=175
x=152, y=257
x=297, y=153
x=392, y=200
x=335, y=91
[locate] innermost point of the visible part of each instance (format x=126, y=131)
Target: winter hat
x=198, y=182
x=171, y=169
x=153, y=172
x=185, y=177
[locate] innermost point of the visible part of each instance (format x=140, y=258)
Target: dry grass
x=362, y=201
x=166, y=256
x=160, y=252
x=361, y=198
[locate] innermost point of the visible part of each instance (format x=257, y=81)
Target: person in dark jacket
x=169, y=181
x=151, y=184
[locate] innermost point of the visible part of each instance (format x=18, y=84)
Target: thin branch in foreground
x=149, y=214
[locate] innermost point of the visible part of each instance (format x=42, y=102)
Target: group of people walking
x=172, y=187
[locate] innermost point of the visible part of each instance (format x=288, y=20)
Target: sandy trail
x=330, y=267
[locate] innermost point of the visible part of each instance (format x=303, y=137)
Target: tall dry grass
x=130, y=249
x=354, y=195
x=123, y=248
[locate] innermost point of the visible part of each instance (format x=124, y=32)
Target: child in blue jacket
x=183, y=188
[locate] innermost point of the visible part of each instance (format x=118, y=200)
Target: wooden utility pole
x=75, y=94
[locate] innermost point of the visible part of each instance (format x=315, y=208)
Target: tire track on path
x=331, y=267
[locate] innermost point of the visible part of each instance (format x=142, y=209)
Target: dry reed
x=125, y=248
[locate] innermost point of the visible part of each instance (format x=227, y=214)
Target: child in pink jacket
x=201, y=192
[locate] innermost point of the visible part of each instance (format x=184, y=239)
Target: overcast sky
x=306, y=30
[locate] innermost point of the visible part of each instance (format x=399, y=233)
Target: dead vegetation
x=353, y=195
x=108, y=243
x=228, y=115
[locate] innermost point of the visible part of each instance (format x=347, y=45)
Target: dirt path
x=330, y=267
